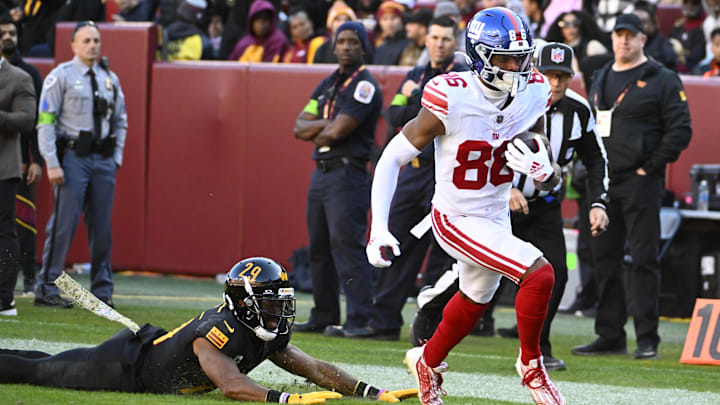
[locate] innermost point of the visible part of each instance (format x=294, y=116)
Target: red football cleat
x=535, y=377
x=428, y=379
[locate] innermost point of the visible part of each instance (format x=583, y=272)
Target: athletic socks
x=531, y=304
x=459, y=318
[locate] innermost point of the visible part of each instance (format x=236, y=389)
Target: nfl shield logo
x=557, y=55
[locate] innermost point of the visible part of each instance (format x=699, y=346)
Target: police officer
x=536, y=215
x=416, y=185
x=340, y=120
x=643, y=117
x=214, y=349
x=81, y=130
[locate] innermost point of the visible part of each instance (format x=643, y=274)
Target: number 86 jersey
x=470, y=173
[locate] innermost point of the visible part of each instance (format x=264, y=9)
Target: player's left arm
x=331, y=377
x=223, y=372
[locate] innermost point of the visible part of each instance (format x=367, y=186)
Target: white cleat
x=428, y=380
x=535, y=377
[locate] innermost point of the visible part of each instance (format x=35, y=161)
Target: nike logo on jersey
x=231, y=330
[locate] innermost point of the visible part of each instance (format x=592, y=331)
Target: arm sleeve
x=675, y=121
x=50, y=107
x=119, y=123
x=591, y=152
x=396, y=154
x=21, y=116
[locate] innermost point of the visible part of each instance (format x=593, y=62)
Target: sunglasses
x=566, y=24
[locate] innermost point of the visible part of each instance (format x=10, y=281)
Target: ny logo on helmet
x=475, y=29
x=557, y=55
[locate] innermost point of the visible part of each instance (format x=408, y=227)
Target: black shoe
x=599, y=348
x=8, y=309
x=309, y=326
x=423, y=326
x=53, y=301
x=645, y=352
x=484, y=328
x=365, y=332
x=510, y=333
x=552, y=364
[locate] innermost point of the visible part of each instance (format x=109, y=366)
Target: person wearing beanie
x=183, y=39
x=264, y=42
x=392, y=40
x=340, y=120
x=338, y=14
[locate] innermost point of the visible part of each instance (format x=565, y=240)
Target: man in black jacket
x=644, y=120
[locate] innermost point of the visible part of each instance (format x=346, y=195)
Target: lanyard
x=330, y=105
x=619, y=97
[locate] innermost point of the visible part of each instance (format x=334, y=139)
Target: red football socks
x=459, y=318
x=531, y=304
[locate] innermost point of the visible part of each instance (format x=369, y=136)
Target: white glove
x=378, y=240
x=521, y=159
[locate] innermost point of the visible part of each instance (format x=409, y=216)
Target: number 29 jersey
x=470, y=173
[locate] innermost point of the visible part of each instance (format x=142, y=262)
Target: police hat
x=556, y=56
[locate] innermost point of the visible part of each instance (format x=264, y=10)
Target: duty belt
x=325, y=165
x=94, y=147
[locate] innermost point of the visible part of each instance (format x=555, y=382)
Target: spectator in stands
x=392, y=40
x=183, y=39
x=578, y=30
x=468, y=8
x=712, y=69
x=656, y=46
x=416, y=26
x=17, y=114
x=26, y=217
x=553, y=9
x=338, y=14
x=264, y=42
x=712, y=21
x=340, y=120
x=218, y=13
x=687, y=37
x=534, y=12
x=608, y=10
x=37, y=23
x=644, y=120
x=365, y=10
x=304, y=42
x=135, y=10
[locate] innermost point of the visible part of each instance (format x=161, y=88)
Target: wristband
x=366, y=390
x=277, y=396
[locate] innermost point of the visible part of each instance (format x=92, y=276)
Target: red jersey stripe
x=431, y=98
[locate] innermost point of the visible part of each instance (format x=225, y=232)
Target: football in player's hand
x=528, y=139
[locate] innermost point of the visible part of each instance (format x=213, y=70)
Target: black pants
x=543, y=227
x=338, y=203
x=27, y=236
x=94, y=368
x=634, y=212
x=587, y=297
x=8, y=241
x=412, y=201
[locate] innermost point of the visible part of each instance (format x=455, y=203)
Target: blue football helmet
x=499, y=31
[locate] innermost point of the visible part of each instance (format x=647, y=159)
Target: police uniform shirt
x=570, y=127
x=171, y=366
x=359, y=98
x=66, y=107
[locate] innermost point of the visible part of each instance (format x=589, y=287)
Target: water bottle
x=703, y=203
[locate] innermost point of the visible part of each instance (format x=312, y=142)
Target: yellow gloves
x=317, y=397
x=397, y=396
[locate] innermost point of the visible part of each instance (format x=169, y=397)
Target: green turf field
x=481, y=369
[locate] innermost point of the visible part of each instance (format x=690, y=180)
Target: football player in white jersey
x=472, y=117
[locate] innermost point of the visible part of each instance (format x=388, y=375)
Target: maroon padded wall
x=131, y=50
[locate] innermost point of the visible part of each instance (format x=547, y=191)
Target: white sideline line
x=474, y=385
